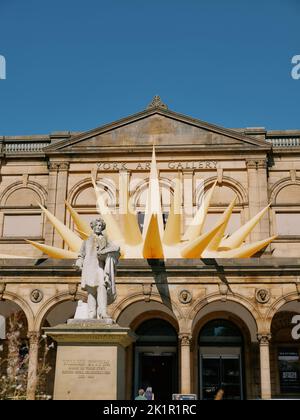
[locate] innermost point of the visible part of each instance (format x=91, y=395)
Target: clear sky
x=75, y=65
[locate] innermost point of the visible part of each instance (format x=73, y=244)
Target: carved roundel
x=262, y=295
x=36, y=296
x=185, y=296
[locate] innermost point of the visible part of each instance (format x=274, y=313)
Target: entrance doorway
x=221, y=371
x=158, y=371
x=155, y=361
x=220, y=354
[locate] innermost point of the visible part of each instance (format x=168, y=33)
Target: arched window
x=83, y=198
x=140, y=195
x=21, y=214
x=287, y=211
x=220, y=332
x=156, y=331
x=222, y=197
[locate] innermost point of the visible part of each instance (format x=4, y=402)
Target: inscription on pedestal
x=87, y=372
x=82, y=369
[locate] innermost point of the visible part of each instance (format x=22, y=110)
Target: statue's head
x=98, y=226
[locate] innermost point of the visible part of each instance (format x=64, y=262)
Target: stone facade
x=258, y=295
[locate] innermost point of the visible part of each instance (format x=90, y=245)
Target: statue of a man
x=98, y=259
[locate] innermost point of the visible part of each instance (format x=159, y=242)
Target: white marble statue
x=97, y=260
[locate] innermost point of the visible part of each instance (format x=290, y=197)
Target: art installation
x=157, y=241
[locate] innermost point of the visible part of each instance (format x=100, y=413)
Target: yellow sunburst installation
x=157, y=242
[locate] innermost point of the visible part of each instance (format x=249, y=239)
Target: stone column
x=188, y=190
x=1, y=155
x=185, y=347
x=253, y=197
x=57, y=193
x=263, y=197
x=258, y=196
x=265, y=374
x=34, y=337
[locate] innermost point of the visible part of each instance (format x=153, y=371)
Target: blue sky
x=75, y=65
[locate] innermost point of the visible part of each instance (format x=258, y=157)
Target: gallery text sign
x=146, y=166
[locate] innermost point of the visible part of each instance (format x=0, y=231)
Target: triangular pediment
x=161, y=127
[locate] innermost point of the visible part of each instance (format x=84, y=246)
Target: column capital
x=34, y=337
x=188, y=171
x=262, y=164
x=251, y=164
x=185, y=339
x=264, y=338
x=58, y=166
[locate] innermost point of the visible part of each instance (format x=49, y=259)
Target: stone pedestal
x=90, y=362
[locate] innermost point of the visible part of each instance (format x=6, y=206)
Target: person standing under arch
x=149, y=394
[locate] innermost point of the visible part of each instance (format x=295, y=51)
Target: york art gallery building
x=200, y=323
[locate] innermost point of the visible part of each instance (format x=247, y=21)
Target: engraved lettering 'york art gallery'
x=157, y=252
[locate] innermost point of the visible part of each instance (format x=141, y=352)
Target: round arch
x=23, y=305
x=123, y=307
x=133, y=316
x=86, y=183
x=18, y=185
x=143, y=185
x=280, y=185
x=231, y=183
x=51, y=303
x=279, y=305
x=235, y=305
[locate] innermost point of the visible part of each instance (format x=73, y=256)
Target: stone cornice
x=173, y=268
x=86, y=333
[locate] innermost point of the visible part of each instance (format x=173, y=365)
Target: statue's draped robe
x=99, y=267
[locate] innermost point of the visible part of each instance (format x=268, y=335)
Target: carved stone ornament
x=261, y=164
x=36, y=296
x=223, y=288
x=147, y=290
x=185, y=339
x=262, y=295
x=157, y=103
x=72, y=287
x=251, y=164
x=58, y=166
x=264, y=339
x=34, y=337
x=185, y=296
